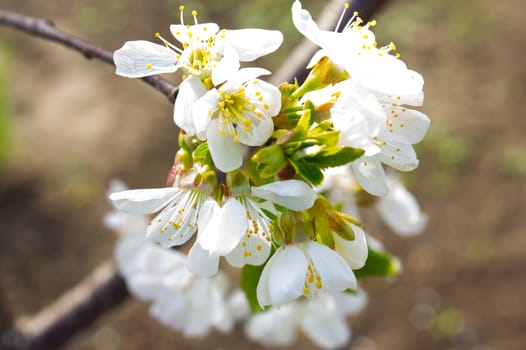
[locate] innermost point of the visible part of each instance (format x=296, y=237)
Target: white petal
x=203, y=110
x=305, y=24
x=292, y=194
x=354, y=252
x=226, y=154
x=227, y=66
x=251, y=44
x=284, y=279
x=221, y=228
x=141, y=58
x=370, y=174
x=349, y=304
x=326, y=331
x=270, y=96
x=201, y=263
x=335, y=273
x=242, y=76
x=287, y=275
x=199, y=32
x=257, y=246
x=143, y=201
x=400, y=156
x=259, y=132
x=407, y=125
x=190, y=90
x=275, y=327
x=176, y=224
x=400, y=210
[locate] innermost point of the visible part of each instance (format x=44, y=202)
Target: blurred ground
x=71, y=125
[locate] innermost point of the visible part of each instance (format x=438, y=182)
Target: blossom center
x=312, y=284
x=232, y=112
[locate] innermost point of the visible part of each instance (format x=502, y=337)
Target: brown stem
x=46, y=29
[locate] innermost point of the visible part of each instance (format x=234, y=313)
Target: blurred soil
x=74, y=125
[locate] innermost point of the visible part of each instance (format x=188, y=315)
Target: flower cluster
x=269, y=177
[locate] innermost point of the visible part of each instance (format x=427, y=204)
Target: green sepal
x=269, y=160
x=379, y=264
x=237, y=183
x=202, y=154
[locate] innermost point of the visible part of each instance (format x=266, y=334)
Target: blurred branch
x=104, y=289
x=79, y=307
x=44, y=28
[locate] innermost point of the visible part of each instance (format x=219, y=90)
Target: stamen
x=194, y=14
x=181, y=10
x=168, y=44
x=346, y=6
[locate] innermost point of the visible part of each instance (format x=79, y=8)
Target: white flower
x=254, y=246
x=400, y=210
x=180, y=300
x=238, y=112
x=177, y=209
x=321, y=319
x=383, y=127
x=355, y=49
x=305, y=269
x=208, y=57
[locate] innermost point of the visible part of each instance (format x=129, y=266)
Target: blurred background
x=69, y=125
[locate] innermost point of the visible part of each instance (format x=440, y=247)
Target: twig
x=53, y=326
x=46, y=29
x=104, y=289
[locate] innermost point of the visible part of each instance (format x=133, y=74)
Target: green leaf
x=249, y=282
x=335, y=156
x=379, y=264
x=309, y=172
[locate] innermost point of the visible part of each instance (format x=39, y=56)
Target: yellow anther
x=266, y=106
x=397, y=55
x=258, y=248
x=222, y=132
x=355, y=13
x=181, y=8
x=235, y=139
x=149, y=66
x=194, y=13
x=157, y=34
x=232, y=133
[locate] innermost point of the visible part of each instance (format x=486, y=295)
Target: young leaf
x=379, y=264
x=335, y=156
x=308, y=171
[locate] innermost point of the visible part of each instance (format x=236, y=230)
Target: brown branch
x=44, y=28
x=78, y=308
x=104, y=289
